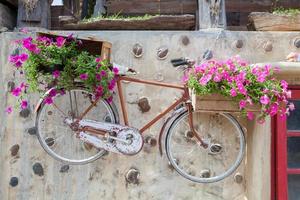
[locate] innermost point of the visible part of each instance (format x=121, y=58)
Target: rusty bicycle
x=203, y=147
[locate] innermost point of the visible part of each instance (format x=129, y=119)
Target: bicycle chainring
x=134, y=144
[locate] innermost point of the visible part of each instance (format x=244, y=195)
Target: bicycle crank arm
x=98, y=142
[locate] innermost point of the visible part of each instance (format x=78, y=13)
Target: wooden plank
x=264, y=21
x=152, y=7
x=258, y=5
x=163, y=22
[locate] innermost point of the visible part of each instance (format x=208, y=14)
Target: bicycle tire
x=114, y=119
x=219, y=177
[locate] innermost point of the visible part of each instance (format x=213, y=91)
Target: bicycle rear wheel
x=58, y=139
x=225, y=151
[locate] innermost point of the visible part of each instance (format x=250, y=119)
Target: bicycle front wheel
x=225, y=151
x=58, y=139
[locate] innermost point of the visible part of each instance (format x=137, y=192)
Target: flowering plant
x=244, y=83
x=58, y=62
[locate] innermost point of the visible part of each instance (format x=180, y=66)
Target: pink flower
x=264, y=100
x=242, y=104
x=16, y=92
x=274, y=109
x=261, y=78
x=112, y=84
x=242, y=89
x=83, y=76
x=13, y=58
x=109, y=99
x=291, y=106
x=52, y=93
x=98, y=60
x=217, y=78
x=18, y=64
x=48, y=100
x=56, y=74
x=204, y=79
x=284, y=84
x=103, y=73
x=289, y=94
x=115, y=70
x=98, y=77
x=250, y=115
x=99, y=89
x=23, y=85
x=24, y=104
x=60, y=41
x=23, y=57
x=233, y=92
x=8, y=110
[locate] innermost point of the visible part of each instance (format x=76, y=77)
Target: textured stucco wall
x=104, y=179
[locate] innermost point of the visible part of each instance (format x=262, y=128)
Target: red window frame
x=280, y=170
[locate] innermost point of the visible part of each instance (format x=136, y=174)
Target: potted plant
x=234, y=85
x=60, y=62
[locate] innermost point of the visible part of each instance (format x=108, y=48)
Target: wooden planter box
x=264, y=21
x=162, y=22
x=218, y=103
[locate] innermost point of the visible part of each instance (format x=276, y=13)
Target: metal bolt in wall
x=137, y=50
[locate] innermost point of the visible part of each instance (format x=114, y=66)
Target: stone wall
x=20, y=151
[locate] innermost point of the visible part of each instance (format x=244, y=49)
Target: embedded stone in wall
x=297, y=43
x=132, y=176
x=238, y=44
x=208, y=54
x=14, y=150
x=185, y=40
x=64, y=169
x=137, y=50
x=268, y=47
x=38, y=169
x=32, y=131
x=13, y=181
x=10, y=86
x=162, y=53
x=143, y=103
x=25, y=113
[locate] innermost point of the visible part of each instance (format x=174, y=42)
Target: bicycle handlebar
x=182, y=61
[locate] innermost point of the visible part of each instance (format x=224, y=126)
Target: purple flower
x=23, y=85
x=115, y=70
x=8, y=110
x=24, y=104
x=284, y=84
x=48, y=100
x=83, y=76
x=56, y=74
x=242, y=104
x=103, y=73
x=98, y=60
x=16, y=92
x=60, y=41
x=264, y=100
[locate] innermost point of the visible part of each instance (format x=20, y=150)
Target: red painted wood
x=280, y=183
x=281, y=160
x=293, y=134
x=293, y=171
x=273, y=157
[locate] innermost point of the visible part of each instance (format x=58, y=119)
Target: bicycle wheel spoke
x=57, y=138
